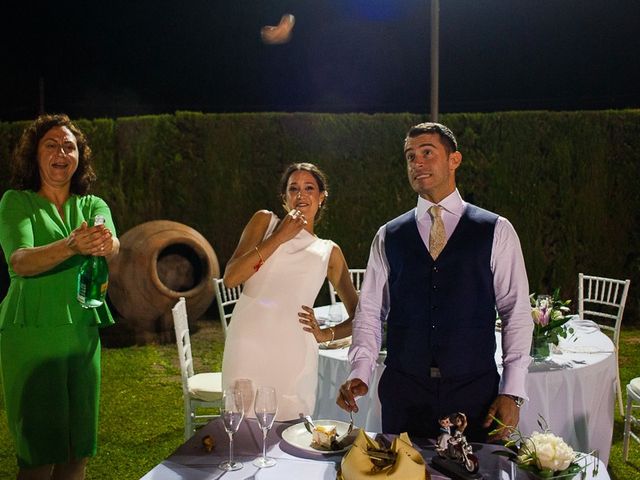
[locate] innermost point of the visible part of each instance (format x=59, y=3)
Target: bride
x=273, y=334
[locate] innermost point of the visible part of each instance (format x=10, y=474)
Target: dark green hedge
x=567, y=181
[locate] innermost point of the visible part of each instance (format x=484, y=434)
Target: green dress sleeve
x=15, y=226
x=49, y=298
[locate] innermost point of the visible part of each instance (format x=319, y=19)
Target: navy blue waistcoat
x=441, y=312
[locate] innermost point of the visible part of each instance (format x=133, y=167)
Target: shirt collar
x=453, y=204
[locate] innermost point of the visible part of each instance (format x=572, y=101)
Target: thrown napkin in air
x=367, y=459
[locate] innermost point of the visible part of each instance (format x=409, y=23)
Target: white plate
x=297, y=436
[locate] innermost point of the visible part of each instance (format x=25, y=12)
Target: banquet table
x=191, y=462
x=573, y=390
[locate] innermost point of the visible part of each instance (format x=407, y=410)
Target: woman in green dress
x=49, y=344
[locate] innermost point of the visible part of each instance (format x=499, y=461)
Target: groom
x=437, y=274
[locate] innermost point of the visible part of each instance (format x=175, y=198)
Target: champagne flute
x=232, y=412
x=266, y=407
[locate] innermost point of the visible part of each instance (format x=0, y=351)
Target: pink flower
x=541, y=316
x=544, y=317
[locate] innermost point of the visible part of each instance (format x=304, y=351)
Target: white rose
x=551, y=451
x=564, y=455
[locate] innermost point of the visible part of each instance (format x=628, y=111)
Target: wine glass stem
x=230, y=448
x=264, y=443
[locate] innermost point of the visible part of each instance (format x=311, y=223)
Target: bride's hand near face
x=292, y=223
x=253, y=249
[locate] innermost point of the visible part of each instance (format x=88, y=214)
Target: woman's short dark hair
x=25, y=169
x=321, y=180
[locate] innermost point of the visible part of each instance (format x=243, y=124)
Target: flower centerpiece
x=550, y=315
x=544, y=455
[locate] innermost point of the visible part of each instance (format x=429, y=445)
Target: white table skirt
x=576, y=399
x=191, y=462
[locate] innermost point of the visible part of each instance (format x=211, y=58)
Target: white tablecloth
x=329, y=315
x=573, y=391
x=191, y=462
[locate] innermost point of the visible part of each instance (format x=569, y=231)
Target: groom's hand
x=348, y=392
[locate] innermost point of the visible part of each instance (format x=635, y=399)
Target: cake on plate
x=324, y=436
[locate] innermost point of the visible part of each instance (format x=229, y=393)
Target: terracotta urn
x=159, y=262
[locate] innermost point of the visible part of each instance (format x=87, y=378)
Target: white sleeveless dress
x=265, y=342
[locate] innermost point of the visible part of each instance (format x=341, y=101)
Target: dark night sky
x=116, y=58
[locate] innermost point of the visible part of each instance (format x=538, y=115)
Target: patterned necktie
x=437, y=236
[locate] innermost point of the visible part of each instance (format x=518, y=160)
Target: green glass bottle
x=93, y=278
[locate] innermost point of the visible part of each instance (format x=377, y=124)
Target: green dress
x=49, y=344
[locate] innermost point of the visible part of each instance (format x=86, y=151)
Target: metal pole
x=41, y=92
x=435, y=64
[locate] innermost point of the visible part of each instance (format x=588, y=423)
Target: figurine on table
x=445, y=434
x=455, y=447
x=459, y=421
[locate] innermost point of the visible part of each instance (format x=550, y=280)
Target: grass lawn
x=141, y=412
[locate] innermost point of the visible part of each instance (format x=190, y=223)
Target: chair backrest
x=602, y=300
x=183, y=340
x=357, y=275
x=226, y=299
x=631, y=419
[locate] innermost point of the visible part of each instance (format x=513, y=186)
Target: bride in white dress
x=273, y=335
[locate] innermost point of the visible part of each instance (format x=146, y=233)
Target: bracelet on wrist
x=333, y=336
x=257, y=266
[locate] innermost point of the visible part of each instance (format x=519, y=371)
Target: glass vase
x=540, y=349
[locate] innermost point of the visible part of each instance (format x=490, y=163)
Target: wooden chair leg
x=619, y=395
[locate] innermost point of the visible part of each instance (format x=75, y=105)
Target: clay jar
x=159, y=262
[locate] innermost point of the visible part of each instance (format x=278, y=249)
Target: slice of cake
x=324, y=436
